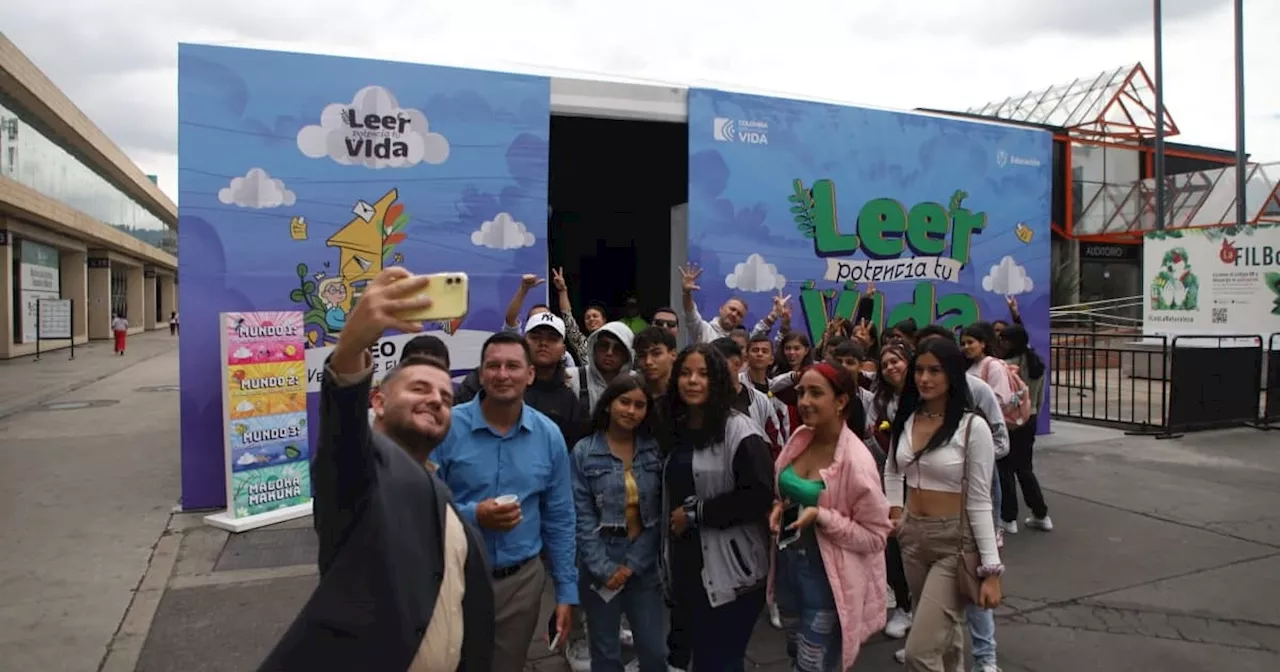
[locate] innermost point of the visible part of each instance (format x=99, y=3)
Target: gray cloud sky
x=117, y=60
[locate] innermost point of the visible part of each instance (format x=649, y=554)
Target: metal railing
x=1110, y=379
x=1157, y=385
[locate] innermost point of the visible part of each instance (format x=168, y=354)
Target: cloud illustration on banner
x=373, y=131
x=256, y=189
x=1007, y=278
x=502, y=233
x=755, y=275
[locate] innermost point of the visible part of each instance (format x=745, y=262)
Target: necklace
x=929, y=414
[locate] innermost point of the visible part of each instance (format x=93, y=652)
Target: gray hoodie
x=595, y=381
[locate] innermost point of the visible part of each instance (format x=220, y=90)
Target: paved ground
x=1165, y=555
x=84, y=495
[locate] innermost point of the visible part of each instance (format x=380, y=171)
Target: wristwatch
x=691, y=508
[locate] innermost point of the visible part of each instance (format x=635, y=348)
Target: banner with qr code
x=1212, y=281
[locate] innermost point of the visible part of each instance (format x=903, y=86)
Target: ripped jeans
x=802, y=588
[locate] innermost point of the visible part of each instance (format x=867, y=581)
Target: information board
x=54, y=318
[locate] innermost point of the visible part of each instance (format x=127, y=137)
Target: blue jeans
x=982, y=630
x=802, y=588
x=641, y=600
x=982, y=622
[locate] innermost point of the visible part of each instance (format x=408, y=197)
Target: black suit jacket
x=380, y=518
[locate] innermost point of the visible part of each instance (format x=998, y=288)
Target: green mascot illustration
x=1175, y=287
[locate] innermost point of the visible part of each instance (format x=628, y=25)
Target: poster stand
x=266, y=458
x=225, y=520
x=53, y=323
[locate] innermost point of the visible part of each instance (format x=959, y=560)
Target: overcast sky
x=117, y=60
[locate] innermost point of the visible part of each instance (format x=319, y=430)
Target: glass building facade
x=120, y=292
x=31, y=158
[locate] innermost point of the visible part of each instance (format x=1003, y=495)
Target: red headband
x=831, y=373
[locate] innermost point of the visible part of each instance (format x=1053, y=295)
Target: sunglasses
x=666, y=324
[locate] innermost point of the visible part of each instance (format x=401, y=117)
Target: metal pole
x=1159, y=83
x=1242, y=168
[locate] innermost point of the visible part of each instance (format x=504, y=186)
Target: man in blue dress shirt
x=498, y=448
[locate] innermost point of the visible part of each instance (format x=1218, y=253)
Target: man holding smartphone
x=378, y=506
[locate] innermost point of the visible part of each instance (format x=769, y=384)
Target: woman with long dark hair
x=894, y=361
x=718, y=489
x=617, y=491
x=938, y=480
x=832, y=576
x=1016, y=468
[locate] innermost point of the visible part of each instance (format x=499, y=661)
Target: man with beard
x=508, y=465
x=404, y=584
x=732, y=312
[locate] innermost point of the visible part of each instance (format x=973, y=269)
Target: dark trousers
x=897, y=574
x=679, y=638
x=715, y=638
x=1016, y=469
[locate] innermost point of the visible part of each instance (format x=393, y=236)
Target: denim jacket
x=599, y=493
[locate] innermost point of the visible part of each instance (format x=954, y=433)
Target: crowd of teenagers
x=670, y=496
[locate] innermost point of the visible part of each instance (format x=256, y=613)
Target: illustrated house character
x=360, y=245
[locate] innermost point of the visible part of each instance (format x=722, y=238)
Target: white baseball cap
x=547, y=319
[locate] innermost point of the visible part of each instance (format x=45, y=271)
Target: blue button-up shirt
x=532, y=462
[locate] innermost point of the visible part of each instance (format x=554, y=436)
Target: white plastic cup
x=507, y=500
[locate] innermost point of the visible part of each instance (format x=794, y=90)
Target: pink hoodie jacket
x=853, y=524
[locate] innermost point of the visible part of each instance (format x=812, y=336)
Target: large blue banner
x=946, y=217
x=303, y=176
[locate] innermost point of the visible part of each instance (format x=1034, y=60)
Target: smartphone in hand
x=553, y=633
x=786, y=537
x=450, y=298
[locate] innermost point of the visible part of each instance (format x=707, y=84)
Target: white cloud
x=502, y=233
x=246, y=459
x=244, y=406
x=755, y=275
x=242, y=353
x=1007, y=278
x=373, y=131
x=256, y=189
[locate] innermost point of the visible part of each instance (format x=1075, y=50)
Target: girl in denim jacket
x=617, y=481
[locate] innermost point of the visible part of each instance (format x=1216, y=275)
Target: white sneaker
x=899, y=624
x=673, y=668
x=1043, y=524
x=633, y=666
x=988, y=667
x=1011, y=527
x=775, y=618
x=627, y=637
x=900, y=655
x=578, y=656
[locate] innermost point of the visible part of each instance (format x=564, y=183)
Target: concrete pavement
x=1164, y=557
x=25, y=381
x=85, y=493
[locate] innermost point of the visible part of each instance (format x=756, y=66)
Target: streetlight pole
x=1242, y=168
x=1159, y=142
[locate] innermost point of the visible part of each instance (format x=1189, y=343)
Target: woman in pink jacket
x=832, y=573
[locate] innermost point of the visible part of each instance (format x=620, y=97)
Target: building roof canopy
x=1116, y=105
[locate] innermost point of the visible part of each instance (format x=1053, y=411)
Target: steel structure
x=1114, y=105
x=1116, y=110
x=1203, y=198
